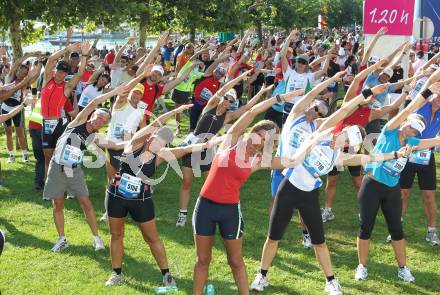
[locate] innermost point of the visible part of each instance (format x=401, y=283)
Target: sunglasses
x=317, y=111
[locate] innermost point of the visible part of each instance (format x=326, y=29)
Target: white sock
x=184, y=211
x=24, y=153
x=11, y=153
x=431, y=229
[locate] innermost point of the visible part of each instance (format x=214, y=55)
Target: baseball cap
x=416, y=123
x=373, y=59
x=387, y=71
x=139, y=87
x=158, y=68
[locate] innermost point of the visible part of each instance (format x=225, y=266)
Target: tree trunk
x=192, y=32
x=143, y=23
x=14, y=34
x=259, y=30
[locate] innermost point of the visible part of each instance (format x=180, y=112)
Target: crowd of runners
x=252, y=104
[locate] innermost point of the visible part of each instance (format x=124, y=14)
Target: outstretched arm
x=52, y=60
x=173, y=83
x=151, y=56
x=85, y=48
x=367, y=53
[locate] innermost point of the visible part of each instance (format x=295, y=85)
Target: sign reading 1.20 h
x=396, y=15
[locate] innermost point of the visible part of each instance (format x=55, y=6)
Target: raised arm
x=283, y=53
x=121, y=50
x=243, y=42
x=367, y=52
x=324, y=69
x=32, y=76
x=151, y=56
x=420, y=100
x=346, y=159
x=173, y=83
x=231, y=116
x=15, y=66
x=300, y=105
x=95, y=74
x=221, y=58
x=53, y=59
x=215, y=99
x=85, y=48
x=15, y=110
x=140, y=136
x=244, y=121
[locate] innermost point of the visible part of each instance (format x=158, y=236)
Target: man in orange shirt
x=184, y=56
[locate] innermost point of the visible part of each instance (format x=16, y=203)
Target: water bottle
x=165, y=290
x=209, y=290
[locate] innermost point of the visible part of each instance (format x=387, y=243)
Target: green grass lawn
x=28, y=267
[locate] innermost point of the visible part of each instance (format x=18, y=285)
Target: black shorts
x=426, y=175
x=354, y=171
x=141, y=210
x=50, y=137
x=17, y=119
x=207, y=214
x=113, y=157
x=197, y=157
x=274, y=116
x=181, y=97
x=287, y=199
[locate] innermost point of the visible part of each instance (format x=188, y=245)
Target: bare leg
x=48, y=153
x=330, y=190
x=430, y=207
x=89, y=212
x=400, y=252
x=323, y=257
x=58, y=215
x=151, y=236
x=9, y=141
x=117, y=240
x=405, y=197
x=269, y=251
x=363, y=249
x=236, y=262
x=185, y=188
x=203, y=259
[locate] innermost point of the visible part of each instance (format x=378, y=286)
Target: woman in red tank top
x=219, y=202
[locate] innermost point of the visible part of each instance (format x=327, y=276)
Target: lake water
x=109, y=43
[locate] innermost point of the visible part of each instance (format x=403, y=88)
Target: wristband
x=367, y=93
x=395, y=155
x=279, y=98
x=427, y=93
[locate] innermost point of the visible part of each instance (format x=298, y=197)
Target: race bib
x=298, y=137
x=317, y=163
x=296, y=85
x=420, y=157
x=49, y=126
x=331, y=85
x=189, y=139
x=72, y=156
x=205, y=94
x=118, y=131
x=142, y=106
x=394, y=167
x=129, y=186
x=84, y=101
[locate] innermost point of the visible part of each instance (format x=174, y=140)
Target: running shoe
x=60, y=245
x=168, y=280
x=327, y=214
x=259, y=283
x=98, y=244
x=333, y=287
x=405, y=274
x=11, y=159
x=432, y=238
x=307, y=241
x=181, y=220
x=70, y=197
x=114, y=279
x=25, y=158
x=361, y=273
x=388, y=240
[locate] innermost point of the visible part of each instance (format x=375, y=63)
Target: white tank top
x=89, y=93
x=124, y=120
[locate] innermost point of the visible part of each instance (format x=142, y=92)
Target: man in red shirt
x=110, y=57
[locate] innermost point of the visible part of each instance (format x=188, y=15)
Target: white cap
x=354, y=135
x=388, y=71
x=232, y=93
x=159, y=69
x=373, y=59
x=322, y=107
x=416, y=123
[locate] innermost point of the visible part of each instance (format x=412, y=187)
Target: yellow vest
x=36, y=113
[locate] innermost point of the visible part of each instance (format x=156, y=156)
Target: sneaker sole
x=431, y=243
x=407, y=281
